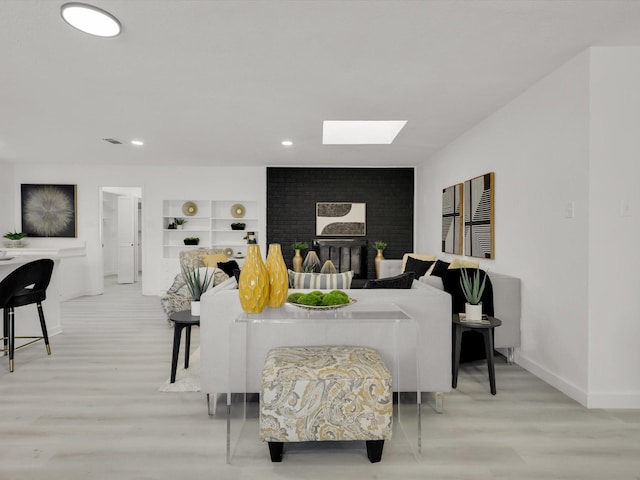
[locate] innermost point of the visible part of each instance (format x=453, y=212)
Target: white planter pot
x=195, y=309
x=180, y=227
x=473, y=312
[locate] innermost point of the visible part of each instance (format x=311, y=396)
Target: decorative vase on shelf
x=377, y=260
x=297, y=261
x=278, y=276
x=195, y=308
x=253, y=287
x=473, y=312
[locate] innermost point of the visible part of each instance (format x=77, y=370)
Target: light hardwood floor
x=92, y=410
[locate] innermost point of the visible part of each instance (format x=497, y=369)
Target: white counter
x=26, y=318
x=70, y=256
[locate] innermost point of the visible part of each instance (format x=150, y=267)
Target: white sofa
x=223, y=355
x=506, y=304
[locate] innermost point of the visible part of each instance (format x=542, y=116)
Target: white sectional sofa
x=223, y=357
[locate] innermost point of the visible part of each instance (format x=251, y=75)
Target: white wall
x=110, y=233
x=614, y=261
x=6, y=197
x=537, y=145
x=158, y=183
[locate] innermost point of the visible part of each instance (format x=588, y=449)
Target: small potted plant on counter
x=191, y=241
x=238, y=226
x=180, y=222
x=14, y=239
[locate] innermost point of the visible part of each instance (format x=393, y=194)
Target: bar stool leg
x=177, y=333
x=12, y=339
x=488, y=345
x=5, y=330
x=44, y=327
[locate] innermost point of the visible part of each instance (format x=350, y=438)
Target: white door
x=127, y=238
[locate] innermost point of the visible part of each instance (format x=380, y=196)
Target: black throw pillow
x=399, y=281
x=419, y=267
x=440, y=268
x=228, y=267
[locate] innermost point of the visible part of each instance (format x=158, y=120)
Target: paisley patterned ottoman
x=325, y=393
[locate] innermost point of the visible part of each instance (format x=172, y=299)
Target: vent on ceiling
x=112, y=140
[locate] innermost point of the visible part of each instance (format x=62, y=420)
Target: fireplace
x=346, y=254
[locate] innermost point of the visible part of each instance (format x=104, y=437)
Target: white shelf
x=212, y=225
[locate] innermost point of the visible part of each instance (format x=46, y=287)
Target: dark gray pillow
x=399, y=281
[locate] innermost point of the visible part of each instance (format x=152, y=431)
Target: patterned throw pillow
x=320, y=281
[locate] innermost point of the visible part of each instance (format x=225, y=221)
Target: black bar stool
x=26, y=285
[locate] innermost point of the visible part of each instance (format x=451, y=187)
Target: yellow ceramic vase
x=253, y=287
x=278, y=276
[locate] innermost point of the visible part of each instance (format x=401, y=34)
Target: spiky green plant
x=300, y=245
x=14, y=235
x=196, y=283
x=471, y=285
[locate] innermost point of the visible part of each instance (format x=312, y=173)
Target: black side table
x=181, y=319
x=487, y=330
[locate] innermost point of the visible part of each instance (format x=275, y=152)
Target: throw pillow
x=228, y=267
x=419, y=256
x=404, y=280
x=317, y=281
x=212, y=260
x=178, y=283
x=419, y=267
x=462, y=263
x=439, y=268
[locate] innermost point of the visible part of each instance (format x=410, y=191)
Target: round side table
x=182, y=319
x=487, y=330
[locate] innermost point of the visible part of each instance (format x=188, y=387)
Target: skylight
x=360, y=132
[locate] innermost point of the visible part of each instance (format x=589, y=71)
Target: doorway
x=121, y=233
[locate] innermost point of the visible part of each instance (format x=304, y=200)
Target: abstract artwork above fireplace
x=341, y=219
x=479, y=216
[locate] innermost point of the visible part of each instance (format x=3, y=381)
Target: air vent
x=112, y=140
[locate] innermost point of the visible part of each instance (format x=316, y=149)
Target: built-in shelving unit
x=211, y=223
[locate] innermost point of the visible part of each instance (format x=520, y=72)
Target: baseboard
x=54, y=331
x=614, y=400
x=566, y=387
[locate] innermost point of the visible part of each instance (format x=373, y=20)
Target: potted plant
x=472, y=287
x=15, y=239
x=191, y=241
x=379, y=246
x=180, y=222
x=238, y=226
x=197, y=283
x=297, y=258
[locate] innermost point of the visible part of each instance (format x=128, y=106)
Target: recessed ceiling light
x=90, y=19
x=355, y=132
x=287, y=143
x=137, y=142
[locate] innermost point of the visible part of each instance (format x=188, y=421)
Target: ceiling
x=224, y=82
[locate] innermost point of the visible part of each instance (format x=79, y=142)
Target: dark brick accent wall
x=292, y=194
